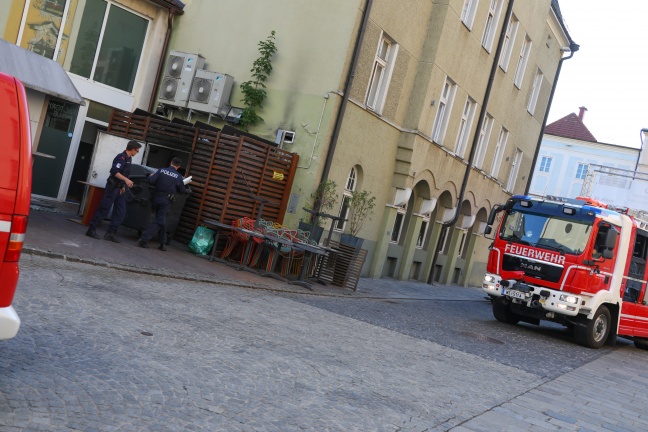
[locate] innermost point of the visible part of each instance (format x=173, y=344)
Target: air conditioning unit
x=284, y=137
x=210, y=91
x=179, y=73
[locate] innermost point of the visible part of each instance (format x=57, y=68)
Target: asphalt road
x=107, y=350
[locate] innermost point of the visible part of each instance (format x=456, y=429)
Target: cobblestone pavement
x=157, y=354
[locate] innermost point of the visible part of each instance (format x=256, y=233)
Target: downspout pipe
x=473, y=148
x=163, y=56
x=573, y=47
x=347, y=89
x=641, y=137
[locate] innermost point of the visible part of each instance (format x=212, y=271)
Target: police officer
x=167, y=182
x=116, y=185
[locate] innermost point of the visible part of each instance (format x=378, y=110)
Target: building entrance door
x=55, y=141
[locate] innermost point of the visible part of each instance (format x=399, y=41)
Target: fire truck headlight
x=489, y=278
x=569, y=299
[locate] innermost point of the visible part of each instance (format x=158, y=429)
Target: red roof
x=570, y=126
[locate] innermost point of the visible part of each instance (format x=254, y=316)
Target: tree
x=254, y=93
x=361, y=207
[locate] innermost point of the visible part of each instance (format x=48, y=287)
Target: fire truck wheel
x=641, y=343
x=593, y=333
x=502, y=312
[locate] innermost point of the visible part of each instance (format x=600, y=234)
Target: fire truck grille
x=539, y=270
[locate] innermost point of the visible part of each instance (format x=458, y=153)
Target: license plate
x=515, y=294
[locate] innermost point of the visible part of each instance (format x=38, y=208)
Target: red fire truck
x=15, y=194
x=576, y=262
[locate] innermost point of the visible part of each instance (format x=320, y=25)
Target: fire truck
x=577, y=262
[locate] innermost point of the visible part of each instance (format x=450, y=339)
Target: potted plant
x=361, y=207
x=322, y=200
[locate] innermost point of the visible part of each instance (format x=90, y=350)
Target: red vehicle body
x=572, y=261
x=15, y=194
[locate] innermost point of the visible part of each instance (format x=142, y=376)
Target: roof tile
x=570, y=126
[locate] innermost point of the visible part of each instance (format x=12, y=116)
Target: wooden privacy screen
x=222, y=168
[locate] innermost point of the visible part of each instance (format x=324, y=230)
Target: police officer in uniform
x=116, y=185
x=167, y=182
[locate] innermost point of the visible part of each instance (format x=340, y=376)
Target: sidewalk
x=55, y=230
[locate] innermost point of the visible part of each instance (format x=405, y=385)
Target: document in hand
x=187, y=180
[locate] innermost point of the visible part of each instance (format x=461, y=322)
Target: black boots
x=92, y=233
x=110, y=236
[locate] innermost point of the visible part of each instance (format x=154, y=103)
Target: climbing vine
x=254, y=93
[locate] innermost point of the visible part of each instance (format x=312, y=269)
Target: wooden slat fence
x=222, y=166
x=343, y=266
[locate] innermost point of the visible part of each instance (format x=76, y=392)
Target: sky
x=609, y=74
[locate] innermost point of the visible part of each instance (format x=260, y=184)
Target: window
x=468, y=12
x=420, y=239
x=467, y=117
x=443, y=241
x=398, y=224
x=462, y=244
x=522, y=62
x=346, y=197
x=545, y=164
x=491, y=24
x=109, y=45
x=499, y=151
x=383, y=63
x=509, y=40
x=482, y=143
x=515, y=168
x=581, y=171
x=443, y=112
x=535, y=91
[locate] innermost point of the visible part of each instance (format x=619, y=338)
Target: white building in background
x=568, y=150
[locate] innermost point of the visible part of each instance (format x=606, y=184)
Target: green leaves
x=254, y=93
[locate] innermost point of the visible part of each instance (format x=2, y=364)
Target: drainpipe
x=641, y=137
x=172, y=12
x=347, y=90
x=473, y=148
x=573, y=47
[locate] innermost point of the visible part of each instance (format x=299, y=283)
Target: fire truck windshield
x=545, y=225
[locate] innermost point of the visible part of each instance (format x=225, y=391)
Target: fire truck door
x=634, y=313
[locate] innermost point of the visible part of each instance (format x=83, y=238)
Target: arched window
x=349, y=188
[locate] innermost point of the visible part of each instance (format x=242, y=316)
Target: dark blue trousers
x=162, y=207
x=111, y=197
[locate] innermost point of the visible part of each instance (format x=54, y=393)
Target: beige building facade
x=411, y=112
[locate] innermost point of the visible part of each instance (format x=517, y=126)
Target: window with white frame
x=349, y=188
x=468, y=12
x=515, y=168
x=499, y=151
x=443, y=241
x=462, y=243
x=109, y=44
x=509, y=40
x=581, y=171
x=482, y=143
x=545, y=164
x=522, y=61
x=398, y=224
x=467, y=117
x=420, y=239
x=380, y=74
x=443, y=112
x=492, y=19
x=535, y=91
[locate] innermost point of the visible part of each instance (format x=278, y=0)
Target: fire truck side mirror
x=488, y=229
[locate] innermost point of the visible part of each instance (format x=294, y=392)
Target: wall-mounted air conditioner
x=179, y=73
x=285, y=137
x=210, y=91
